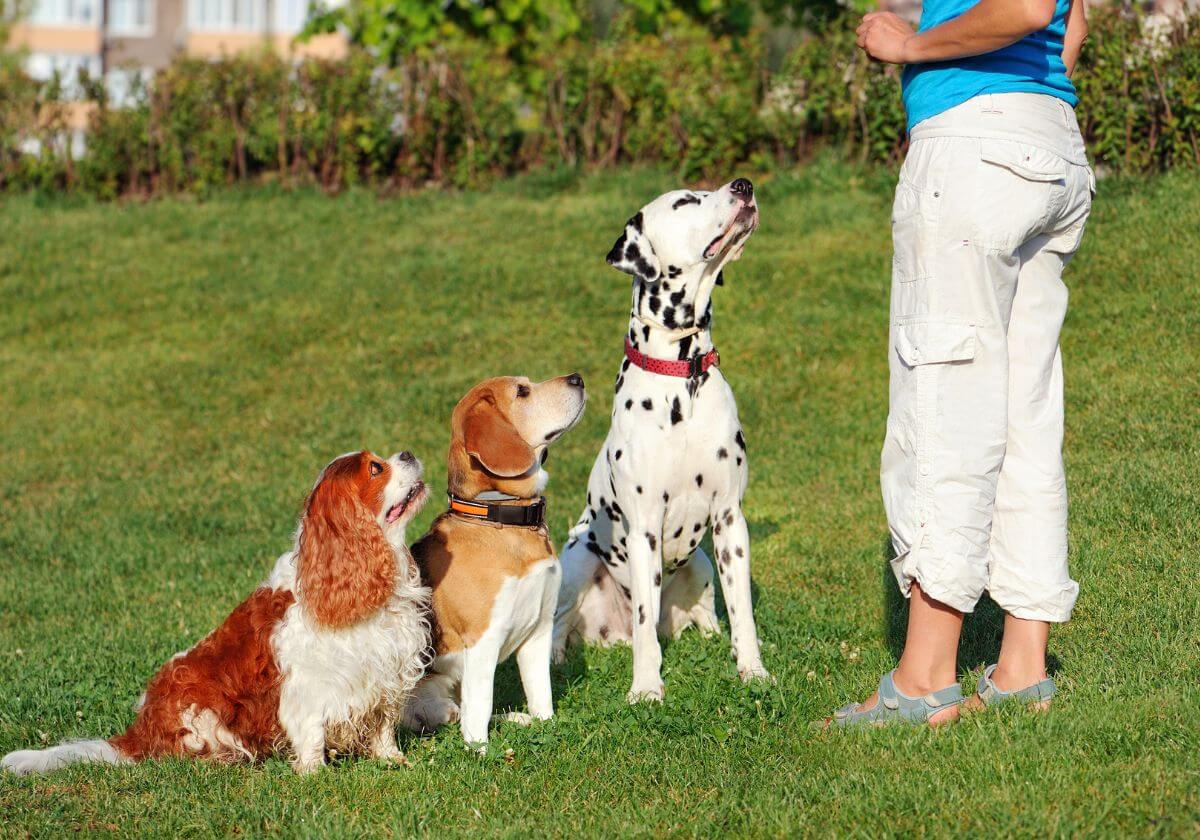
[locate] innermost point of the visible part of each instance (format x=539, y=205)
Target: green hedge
x=701, y=105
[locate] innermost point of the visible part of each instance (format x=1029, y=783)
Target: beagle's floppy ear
x=633, y=253
x=494, y=442
x=346, y=568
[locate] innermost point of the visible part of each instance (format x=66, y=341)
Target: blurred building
x=120, y=39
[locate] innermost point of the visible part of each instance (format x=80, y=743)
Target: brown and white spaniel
x=321, y=656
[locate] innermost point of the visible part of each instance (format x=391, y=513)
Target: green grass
x=173, y=376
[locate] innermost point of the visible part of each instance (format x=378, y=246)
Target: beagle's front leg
x=478, y=682
x=645, y=572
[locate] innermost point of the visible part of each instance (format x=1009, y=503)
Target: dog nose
x=742, y=186
x=575, y=380
x=407, y=457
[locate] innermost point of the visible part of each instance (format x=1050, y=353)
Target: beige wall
x=56, y=39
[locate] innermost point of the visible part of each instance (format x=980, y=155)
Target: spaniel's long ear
x=346, y=567
x=633, y=253
x=494, y=442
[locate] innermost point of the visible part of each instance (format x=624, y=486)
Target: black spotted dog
x=675, y=459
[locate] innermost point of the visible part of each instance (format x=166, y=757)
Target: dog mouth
x=740, y=226
x=410, y=503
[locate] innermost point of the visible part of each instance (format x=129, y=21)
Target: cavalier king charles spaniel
x=323, y=656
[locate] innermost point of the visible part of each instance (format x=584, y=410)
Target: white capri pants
x=991, y=204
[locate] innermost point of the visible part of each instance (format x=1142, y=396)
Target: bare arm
x=1077, y=30
x=985, y=27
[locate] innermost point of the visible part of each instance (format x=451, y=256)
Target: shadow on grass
x=982, y=630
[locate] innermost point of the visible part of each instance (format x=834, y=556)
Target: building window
x=44, y=65
x=290, y=16
x=227, y=15
x=131, y=17
x=65, y=12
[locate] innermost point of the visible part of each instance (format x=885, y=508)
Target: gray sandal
x=895, y=707
x=991, y=695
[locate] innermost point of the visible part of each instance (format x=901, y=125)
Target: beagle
x=488, y=560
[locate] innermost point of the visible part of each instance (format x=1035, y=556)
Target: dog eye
x=376, y=468
x=522, y=391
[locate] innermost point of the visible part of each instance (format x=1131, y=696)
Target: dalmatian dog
x=674, y=462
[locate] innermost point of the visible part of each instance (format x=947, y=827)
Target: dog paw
x=307, y=767
x=753, y=673
x=654, y=694
x=519, y=718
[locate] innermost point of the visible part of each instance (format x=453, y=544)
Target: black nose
x=575, y=380
x=741, y=186
x=406, y=456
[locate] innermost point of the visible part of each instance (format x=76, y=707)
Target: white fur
x=344, y=688
x=460, y=684
x=674, y=461
x=25, y=762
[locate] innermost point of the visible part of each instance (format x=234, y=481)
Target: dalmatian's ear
x=633, y=253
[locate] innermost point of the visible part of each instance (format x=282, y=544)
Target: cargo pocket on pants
x=914, y=225
x=924, y=348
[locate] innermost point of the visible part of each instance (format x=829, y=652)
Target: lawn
x=173, y=375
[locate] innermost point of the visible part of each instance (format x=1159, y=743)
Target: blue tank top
x=1032, y=65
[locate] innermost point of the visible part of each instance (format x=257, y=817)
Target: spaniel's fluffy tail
x=25, y=762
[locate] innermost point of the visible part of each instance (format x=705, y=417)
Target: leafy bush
x=467, y=114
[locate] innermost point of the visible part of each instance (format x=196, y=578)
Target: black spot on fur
x=646, y=330
x=739, y=552
x=666, y=497
x=678, y=533
x=696, y=528
x=639, y=489
x=658, y=578
x=625, y=591
x=685, y=345
x=686, y=200
x=677, y=412
x=741, y=441
x=699, y=480
x=650, y=538
x=641, y=614
x=720, y=278
x=669, y=318
x=603, y=631
x=674, y=271
x=628, y=404
x=677, y=297
x=717, y=530
x=655, y=305
x=722, y=453
x=617, y=456
x=647, y=404
x=739, y=460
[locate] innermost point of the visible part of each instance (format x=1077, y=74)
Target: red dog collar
x=689, y=369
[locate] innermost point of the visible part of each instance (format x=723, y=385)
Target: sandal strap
x=990, y=693
x=895, y=706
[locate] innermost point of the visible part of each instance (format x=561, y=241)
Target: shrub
x=465, y=115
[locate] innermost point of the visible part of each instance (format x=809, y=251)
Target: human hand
x=885, y=36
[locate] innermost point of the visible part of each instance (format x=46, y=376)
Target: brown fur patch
x=465, y=563
x=231, y=672
x=346, y=568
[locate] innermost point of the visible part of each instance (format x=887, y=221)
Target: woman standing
x=991, y=204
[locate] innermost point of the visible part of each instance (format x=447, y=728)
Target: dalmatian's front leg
x=645, y=572
x=731, y=539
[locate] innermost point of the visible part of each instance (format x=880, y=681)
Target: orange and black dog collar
x=502, y=513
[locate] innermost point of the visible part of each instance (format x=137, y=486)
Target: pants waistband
x=1035, y=118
